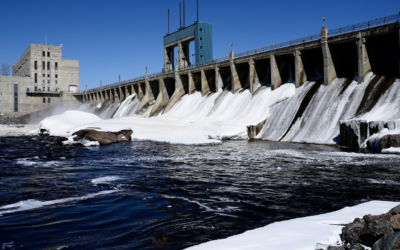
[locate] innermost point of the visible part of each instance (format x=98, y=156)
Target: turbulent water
x=154, y=195
x=149, y=195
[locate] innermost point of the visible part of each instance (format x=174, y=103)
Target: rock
x=388, y=141
x=60, y=140
x=395, y=210
x=103, y=138
x=350, y=233
x=122, y=138
x=354, y=247
x=374, y=231
x=44, y=132
x=388, y=242
x=336, y=248
x=395, y=221
x=371, y=218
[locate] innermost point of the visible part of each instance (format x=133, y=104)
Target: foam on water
x=105, y=180
x=18, y=130
x=34, y=204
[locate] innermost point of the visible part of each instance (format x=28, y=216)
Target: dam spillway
x=335, y=76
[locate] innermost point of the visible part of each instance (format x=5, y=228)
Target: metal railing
x=280, y=45
x=364, y=25
x=314, y=37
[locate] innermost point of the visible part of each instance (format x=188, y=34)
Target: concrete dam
x=326, y=88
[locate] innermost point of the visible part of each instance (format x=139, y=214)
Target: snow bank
x=298, y=234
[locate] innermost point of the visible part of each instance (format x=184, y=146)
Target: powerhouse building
x=40, y=79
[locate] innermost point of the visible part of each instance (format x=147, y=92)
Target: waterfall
x=128, y=106
x=283, y=114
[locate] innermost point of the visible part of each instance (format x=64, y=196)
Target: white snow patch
x=391, y=151
x=298, y=234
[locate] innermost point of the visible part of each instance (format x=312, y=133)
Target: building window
x=48, y=53
x=48, y=100
x=44, y=53
x=35, y=88
x=27, y=90
x=35, y=77
x=201, y=56
x=48, y=78
x=56, y=79
x=15, y=97
x=201, y=29
x=201, y=47
x=48, y=89
x=201, y=38
x=35, y=64
x=44, y=100
x=44, y=89
x=44, y=65
x=44, y=78
x=56, y=65
x=48, y=65
x=40, y=90
x=56, y=89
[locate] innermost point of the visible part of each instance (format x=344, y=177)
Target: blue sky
x=111, y=38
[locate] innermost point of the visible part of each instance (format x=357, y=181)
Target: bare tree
x=5, y=69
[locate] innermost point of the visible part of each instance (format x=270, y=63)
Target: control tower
x=199, y=32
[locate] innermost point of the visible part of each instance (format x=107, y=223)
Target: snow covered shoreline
x=298, y=234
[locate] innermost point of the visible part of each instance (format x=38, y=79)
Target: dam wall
x=350, y=52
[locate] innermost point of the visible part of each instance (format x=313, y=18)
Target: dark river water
x=162, y=196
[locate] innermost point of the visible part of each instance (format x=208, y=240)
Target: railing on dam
x=364, y=25
x=315, y=37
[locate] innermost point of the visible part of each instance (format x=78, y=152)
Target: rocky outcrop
x=388, y=141
x=380, y=232
x=102, y=137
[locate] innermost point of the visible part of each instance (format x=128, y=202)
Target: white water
x=128, y=106
x=320, y=121
x=195, y=119
x=34, y=204
x=283, y=114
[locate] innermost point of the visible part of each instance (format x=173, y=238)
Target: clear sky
x=111, y=38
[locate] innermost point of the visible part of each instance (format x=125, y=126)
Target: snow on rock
x=60, y=125
x=298, y=234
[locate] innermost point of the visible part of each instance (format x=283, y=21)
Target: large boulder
x=104, y=138
x=389, y=241
x=374, y=231
x=395, y=210
x=371, y=218
x=350, y=233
